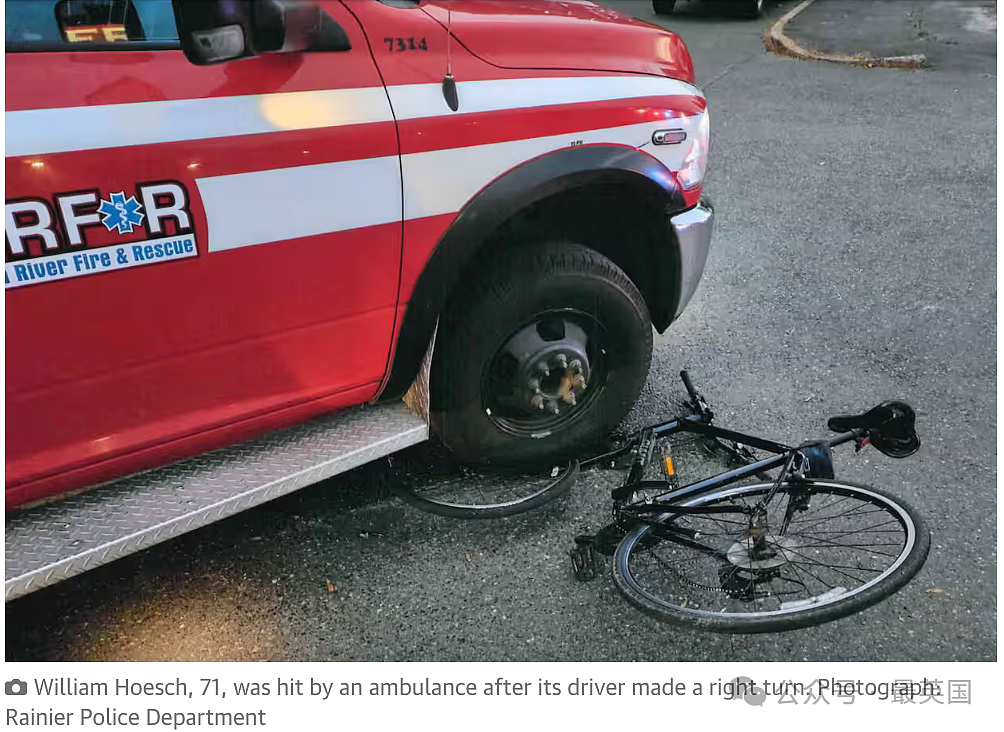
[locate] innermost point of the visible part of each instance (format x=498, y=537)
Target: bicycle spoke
x=827, y=566
x=829, y=554
x=719, y=522
x=826, y=545
x=837, y=566
x=883, y=531
x=833, y=566
x=855, y=531
x=819, y=521
x=825, y=505
x=806, y=587
x=854, y=511
x=820, y=581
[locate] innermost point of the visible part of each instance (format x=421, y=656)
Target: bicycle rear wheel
x=843, y=548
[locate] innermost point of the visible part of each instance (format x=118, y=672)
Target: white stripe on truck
x=443, y=181
x=41, y=131
x=272, y=205
x=414, y=101
x=71, y=129
x=247, y=209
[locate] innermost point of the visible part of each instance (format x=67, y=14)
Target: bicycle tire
x=907, y=565
x=454, y=509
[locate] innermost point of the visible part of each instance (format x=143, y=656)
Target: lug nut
x=534, y=385
x=544, y=370
x=537, y=402
x=562, y=361
x=571, y=398
x=552, y=407
x=576, y=366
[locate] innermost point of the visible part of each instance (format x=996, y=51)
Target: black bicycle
x=796, y=549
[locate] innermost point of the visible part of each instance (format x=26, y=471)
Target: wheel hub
x=552, y=366
x=555, y=378
x=747, y=555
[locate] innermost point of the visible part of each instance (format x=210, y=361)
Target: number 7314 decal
x=396, y=45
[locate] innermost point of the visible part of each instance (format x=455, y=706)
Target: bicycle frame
x=745, y=557
x=699, y=424
x=653, y=510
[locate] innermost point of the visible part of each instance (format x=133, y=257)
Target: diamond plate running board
x=49, y=543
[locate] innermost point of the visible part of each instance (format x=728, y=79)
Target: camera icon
x=15, y=687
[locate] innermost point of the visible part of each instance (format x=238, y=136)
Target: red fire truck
x=238, y=233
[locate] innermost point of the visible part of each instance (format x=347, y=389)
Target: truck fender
x=505, y=197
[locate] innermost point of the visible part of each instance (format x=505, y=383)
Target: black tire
x=750, y=9
x=839, y=605
x=663, y=7
x=513, y=292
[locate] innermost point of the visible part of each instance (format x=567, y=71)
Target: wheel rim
x=737, y=585
x=545, y=375
x=433, y=477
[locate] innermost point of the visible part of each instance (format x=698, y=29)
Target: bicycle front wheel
x=823, y=551
x=459, y=492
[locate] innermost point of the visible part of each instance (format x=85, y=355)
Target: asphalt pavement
x=854, y=261
x=947, y=34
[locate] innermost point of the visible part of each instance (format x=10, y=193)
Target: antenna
x=449, y=41
x=449, y=83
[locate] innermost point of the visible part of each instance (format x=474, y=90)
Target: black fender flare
x=508, y=195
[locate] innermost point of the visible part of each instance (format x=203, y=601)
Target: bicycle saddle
x=891, y=427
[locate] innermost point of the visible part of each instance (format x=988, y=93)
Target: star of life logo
x=121, y=214
x=57, y=237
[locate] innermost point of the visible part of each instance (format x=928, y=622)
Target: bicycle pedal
x=669, y=468
x=583, y=559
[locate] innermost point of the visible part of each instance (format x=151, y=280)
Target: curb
x=777, y=42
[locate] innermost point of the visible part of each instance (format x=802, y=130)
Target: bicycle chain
x=687, y=580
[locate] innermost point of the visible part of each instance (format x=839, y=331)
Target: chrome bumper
x=693, y=234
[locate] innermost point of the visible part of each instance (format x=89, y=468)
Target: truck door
x=193, y=254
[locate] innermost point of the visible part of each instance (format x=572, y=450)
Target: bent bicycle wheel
x=449, y=489
x=826, y=550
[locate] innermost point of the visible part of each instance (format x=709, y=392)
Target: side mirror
x=215, y=31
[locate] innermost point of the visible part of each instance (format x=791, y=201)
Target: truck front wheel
x=538, y=356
